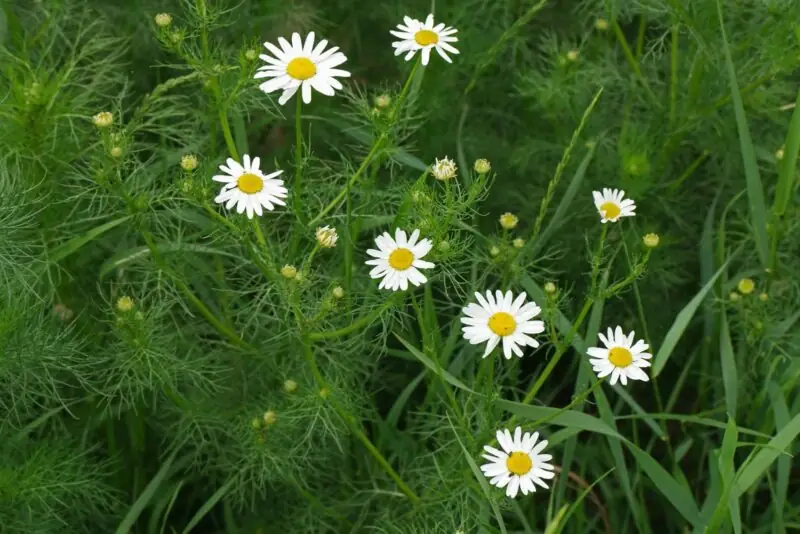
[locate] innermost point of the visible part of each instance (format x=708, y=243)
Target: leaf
x=208, y=505
x=125, y=257
x=146, y=496
x=681, y=322
x=677, y=494
x=427, y=362
x=481, y=480
x=763, y=459
x=788, y=169
x=781, y=412
x=557, y=416
x=730, y=379
x=755, y=190
x=727, y=471
x=73, y=245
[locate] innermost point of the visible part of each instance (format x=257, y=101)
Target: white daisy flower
x=299, y=64
x=621, y=358
x=501, y=317
x=520, y=465
x=416, y=35
x=398, y=260
x=248, y=189
x=611, y=205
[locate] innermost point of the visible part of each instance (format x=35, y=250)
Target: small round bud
x=444, y=169
x=251, y=55
x=758, y=325
x=338, y=292
x=104, y=119
x=746, y=286
x=327, y=236
x=734, y=296
x=518, y=242
x=650, y=240
x=420, y=197
x=572, y=55
x=550, y=288
x=509, y=221
x=255, y=423
x=270, y=417
x=290, y=386
x=125, y=304
x=163, y=20
x=763, y=297
x=443, y=246
x=779, y=154
x=482, y=166
x=300, y=276
x=63, y=312
x=115, y=152
x=186, y=186
x=494, y=251
x=383, y=101
x=289, y=271
x=189, y=162
x=139, y=316
x=601, y=24
x=324, y=393
x=176, y=37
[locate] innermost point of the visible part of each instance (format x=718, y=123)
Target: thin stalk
x=354, y=326
x=297, y=200
x=634, y=63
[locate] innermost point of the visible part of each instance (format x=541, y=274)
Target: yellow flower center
x=401, y=259
x=620, y=357
x=301, y=68
x=610, y=209
x=502, y=324
x=519, y=463
x=250, y=183
x=426, y=37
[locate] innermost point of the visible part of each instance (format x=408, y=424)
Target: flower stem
x=354, y=326
x=297, y=197
x=226, y=132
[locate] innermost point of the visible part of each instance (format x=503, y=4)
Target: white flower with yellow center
x=303, y=65
x=520, y=465
x=501, y=317
x=397, y=261
x=611, y=205
x=416, y=35
x=248, y=189
x=621, y=358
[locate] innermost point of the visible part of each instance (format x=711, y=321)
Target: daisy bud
x=572, y=55
x=650, y=240
x=176, y=37
x=251, y=55
x=746, y=286
x=104, y=119
x=290, y=386
x=116, y=152
x=300, y=276
x=270, y=417
x=289, y=271
x=63, y=312
x=338, y=292
x=763, y=297
x=482, y=166
x=444, y=246
x=444, y=169
x=518, y=242
x=324, y=393
x=189, y=162
x=601, y=24
x=163, y=20
x=255, y=423
x=734, y=296
x=550, y=288
x=508, y=221
x=139, y=316
x=383, y=101
x=327, y=236
x=779, y=154
x=125, y=304
x=494, y=251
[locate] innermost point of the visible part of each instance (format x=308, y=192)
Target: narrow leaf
x=763, y=459
x=427, y=362
x=73, y=245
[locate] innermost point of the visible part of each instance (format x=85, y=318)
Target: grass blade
x=450, y=379
x=755, y=190
x=730, y=378
x=125, y=257
x=147, y=495
x=781, y=412
x=556, y=416
x=73, y=245
x=763, y=459
x=787, y=171
x=682, y=321
x=208, y=505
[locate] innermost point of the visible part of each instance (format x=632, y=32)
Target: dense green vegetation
x=169, y=365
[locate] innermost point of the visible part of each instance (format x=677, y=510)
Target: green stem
x=356, y=325
x=226, y=132
x=297, y=196
x=634, y=63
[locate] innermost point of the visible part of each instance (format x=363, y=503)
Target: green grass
x=237, y=396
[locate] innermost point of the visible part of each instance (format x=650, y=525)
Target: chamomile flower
x=621, y=358
x=301, y=65
x=520, y=465
x=415, y=35
x=500, y=317
x=611, y=205
x=398, y=260
x=248, y=189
